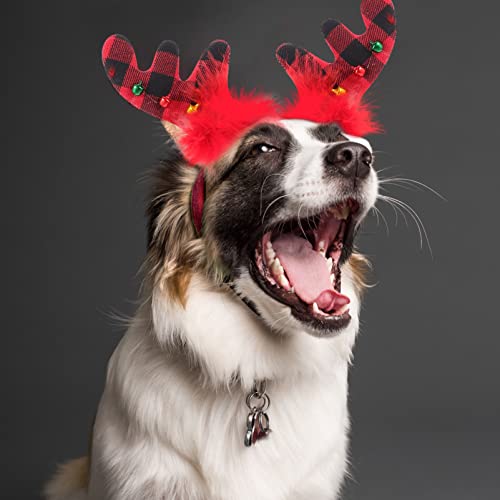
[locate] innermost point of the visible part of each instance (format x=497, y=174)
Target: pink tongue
x=331, y=300
x=308, y=272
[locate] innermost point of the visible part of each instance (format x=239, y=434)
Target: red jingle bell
x=360, y=71
x=164, y=101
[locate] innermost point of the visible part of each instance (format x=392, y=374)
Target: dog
x=219, y=313
x=231, y=380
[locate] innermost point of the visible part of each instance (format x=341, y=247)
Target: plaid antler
x=160, y=91
x=359, y=59
x=210, y=117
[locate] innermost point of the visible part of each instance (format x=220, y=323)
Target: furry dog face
x=282, y=210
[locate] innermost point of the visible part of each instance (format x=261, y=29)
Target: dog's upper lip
x=356, y=207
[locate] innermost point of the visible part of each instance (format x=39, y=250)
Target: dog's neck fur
x=225, y=340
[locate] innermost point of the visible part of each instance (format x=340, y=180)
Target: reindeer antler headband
x=210, y=116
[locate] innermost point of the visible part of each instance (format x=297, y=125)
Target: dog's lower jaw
x=172, y=418
x=279, y=318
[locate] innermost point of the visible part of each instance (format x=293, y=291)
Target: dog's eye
x=263, y=148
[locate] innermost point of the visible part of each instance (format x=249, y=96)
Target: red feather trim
x=208, y=133
x=353, y=116
x=222, y=117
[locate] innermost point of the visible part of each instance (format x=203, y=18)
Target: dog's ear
x=174, y=250
x=172, y=130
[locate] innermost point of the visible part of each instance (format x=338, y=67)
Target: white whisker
x=396, y=215
x=299, y=222
x=262, y=188
x=414, y=215
x=377, y=211
x=384, y=169
x=397, y=210
x=402, y=181
x=272, y=203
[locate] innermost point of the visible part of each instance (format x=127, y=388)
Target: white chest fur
x=172, y=427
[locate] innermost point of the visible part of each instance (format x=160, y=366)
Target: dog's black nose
x=350, y=159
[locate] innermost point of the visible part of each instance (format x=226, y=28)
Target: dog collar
x=198, y=202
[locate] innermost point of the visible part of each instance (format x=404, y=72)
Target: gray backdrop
x=424, y=386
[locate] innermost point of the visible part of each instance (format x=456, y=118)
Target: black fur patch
x=240, y=194
x=327, y=133
x=246, y=189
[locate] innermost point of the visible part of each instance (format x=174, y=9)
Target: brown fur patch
x=71, y=477
x=174, y=250
x=361, y=267
x=177, y=286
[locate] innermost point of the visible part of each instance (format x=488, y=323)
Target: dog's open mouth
x=298, y=264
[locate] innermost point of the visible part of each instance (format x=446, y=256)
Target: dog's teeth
x=292, y=289
x=269, y=245
x=277, y=268
x=284, y=282
x=332, y=279
x=341, y=211
x=316, y=308
x=322, y=247
x=329, y=263
x=336, y=213
x=270, y=254
x=342, y=310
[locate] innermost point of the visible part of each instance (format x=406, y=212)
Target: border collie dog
x=268, y=294
x=231, y=380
